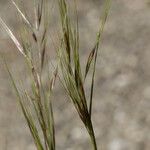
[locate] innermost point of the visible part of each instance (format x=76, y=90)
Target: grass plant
x=39, y=111
x=70, y=64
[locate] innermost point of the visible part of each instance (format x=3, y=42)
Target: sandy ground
x=122, y=93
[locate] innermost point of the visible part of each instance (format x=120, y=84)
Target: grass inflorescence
x=39, y=113
x=70, y=65
x=32, y=46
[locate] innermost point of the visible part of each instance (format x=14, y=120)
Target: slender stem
x=92, y=135
x=92, y=85
x=93, y=140
x=98, y=42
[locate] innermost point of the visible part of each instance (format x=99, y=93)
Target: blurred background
x=121, y=110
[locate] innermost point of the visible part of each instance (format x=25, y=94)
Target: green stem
x=93, y=140
x=92, y=135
